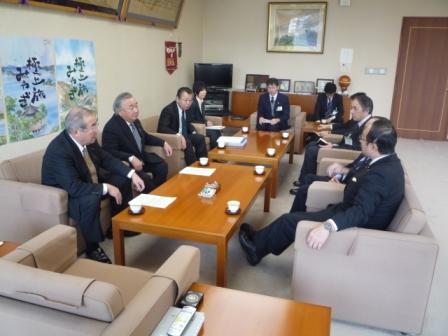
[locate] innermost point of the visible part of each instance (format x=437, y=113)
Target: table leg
x=221, y=263
x=291, y=150
x=118, y=244
x=267, y=194
x=274, y=174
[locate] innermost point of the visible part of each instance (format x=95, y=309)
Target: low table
x=254, y=152
x=191, y=217
x=234, y=312
x=7, y=247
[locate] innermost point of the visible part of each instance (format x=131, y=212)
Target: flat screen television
x=214, y=75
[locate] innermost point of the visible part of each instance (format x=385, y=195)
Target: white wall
x=235, y=31
x=128, y=57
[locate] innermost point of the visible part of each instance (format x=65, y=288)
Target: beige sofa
x=377, y=278
x=29, y=207
x=46, y=290
x=296, y=120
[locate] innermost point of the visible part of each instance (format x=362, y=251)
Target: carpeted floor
x=425, y=162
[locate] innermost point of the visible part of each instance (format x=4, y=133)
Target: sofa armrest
x=172, y=139
x=338, y=153
x=217, y=121
x=200, y=128
x=182, y=267
x=299, y=122
x=321, y=194
x=326, y=162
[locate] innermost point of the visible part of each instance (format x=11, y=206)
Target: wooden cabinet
x=244, y=103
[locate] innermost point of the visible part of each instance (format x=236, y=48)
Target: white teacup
x=245, y=129
x=285, y=135
x=259, y=170
x=221, y=144
x=203, y=161
x=135, y=208
x=270, y=151
x=233, y=206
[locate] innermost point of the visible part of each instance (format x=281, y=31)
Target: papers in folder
x=192, y=328
x=233, y=141
x=153, y=201
x=198, y=171
x=215, y=127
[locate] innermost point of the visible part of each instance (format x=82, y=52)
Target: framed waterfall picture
x=296, y=27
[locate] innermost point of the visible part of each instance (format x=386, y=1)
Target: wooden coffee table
x=233, y=312
x=254, y=152
x=7, y=247
x=191, y=217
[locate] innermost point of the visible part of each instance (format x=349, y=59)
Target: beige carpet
x=425, y=161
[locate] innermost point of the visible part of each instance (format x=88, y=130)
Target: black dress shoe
x=248, y=248
x=296, y=183
x=293, y=191
x=99, y=255
x=248, y=230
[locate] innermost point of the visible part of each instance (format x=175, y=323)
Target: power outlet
x=376, y=71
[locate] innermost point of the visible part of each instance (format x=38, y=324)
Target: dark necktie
x=184, y=124
x=90, y=165
x=329, y=109
x=137, y=137
x=202, y=108
x=272, y=106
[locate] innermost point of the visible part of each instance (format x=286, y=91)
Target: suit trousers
x=277, y=236
x=299, y=203
x=213, y=135
x=157, y=167
x=309, y=165
x=195, y=149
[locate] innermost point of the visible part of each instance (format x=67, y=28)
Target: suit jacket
x=64, y=167
x=195, y=114
x=169, y=120
x=351, y=132
x=320, y=109
x=119, y=141
x=372, y=196
x=281, y=110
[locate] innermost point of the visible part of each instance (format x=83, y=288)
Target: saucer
x=142, y=210
x=270, y=155
x=201, y=165
x=227, y=211
x=264, y=172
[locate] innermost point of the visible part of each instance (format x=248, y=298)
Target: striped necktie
x=137, y=137
x=90, y=165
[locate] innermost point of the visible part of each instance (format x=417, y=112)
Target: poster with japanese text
x=29, y=90
x=75, y=75
x=3, y=137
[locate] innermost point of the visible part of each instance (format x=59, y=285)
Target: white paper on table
x=198, y=171
x=215, y=127
x=153, y=200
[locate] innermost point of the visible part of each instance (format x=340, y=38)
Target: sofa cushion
x=410, y=217
x=24, y=168
x=72, y=294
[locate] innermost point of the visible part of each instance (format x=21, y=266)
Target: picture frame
x=304, y=87
x=284, y=85
x=256, y=83
x=320, y=84
x=109, y=8
x=297, y=27
x=152, y=12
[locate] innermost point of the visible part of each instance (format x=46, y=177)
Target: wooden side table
x=7, y=247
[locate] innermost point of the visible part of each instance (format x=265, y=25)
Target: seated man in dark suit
x=273, y=109
x=197, y=115
x=125, y=138
x=361, y=110
x=173, y=120
x=76, y=163
x=329, y=105
x=371, y=199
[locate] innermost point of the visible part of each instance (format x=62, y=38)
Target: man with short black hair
x=371, y=199
x=273, y=109
x=173, y=120
x=329, y=105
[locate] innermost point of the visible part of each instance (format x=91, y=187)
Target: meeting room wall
x=128, y=57
x=235, y=32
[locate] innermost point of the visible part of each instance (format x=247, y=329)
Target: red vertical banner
x=170, y=56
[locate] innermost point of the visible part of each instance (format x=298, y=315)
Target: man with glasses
x=371, y=198
x=75, y=162
x=174, y=120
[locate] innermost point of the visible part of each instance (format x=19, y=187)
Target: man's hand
x=335, y=168
x=136, y=164
x=114, y=192
x=167, y=149
x=264, y=121
x=324, y=128
x=275, y=121
x=317, y=237
x=322, y=134
x=209, y=123
x=138, y=183
x=183, y=142
x=330, y=145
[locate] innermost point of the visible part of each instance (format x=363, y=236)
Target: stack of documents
x=193, y=328
x=233, y=141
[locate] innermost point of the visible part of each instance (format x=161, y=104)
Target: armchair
x=371, y=277
x=296, y=121
x=45, y=289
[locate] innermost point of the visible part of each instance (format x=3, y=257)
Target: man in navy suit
x=273, y=109
x=125, y=138
x=371, y=198
x=329, y=105
x=76, y=163
x=173, y=120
